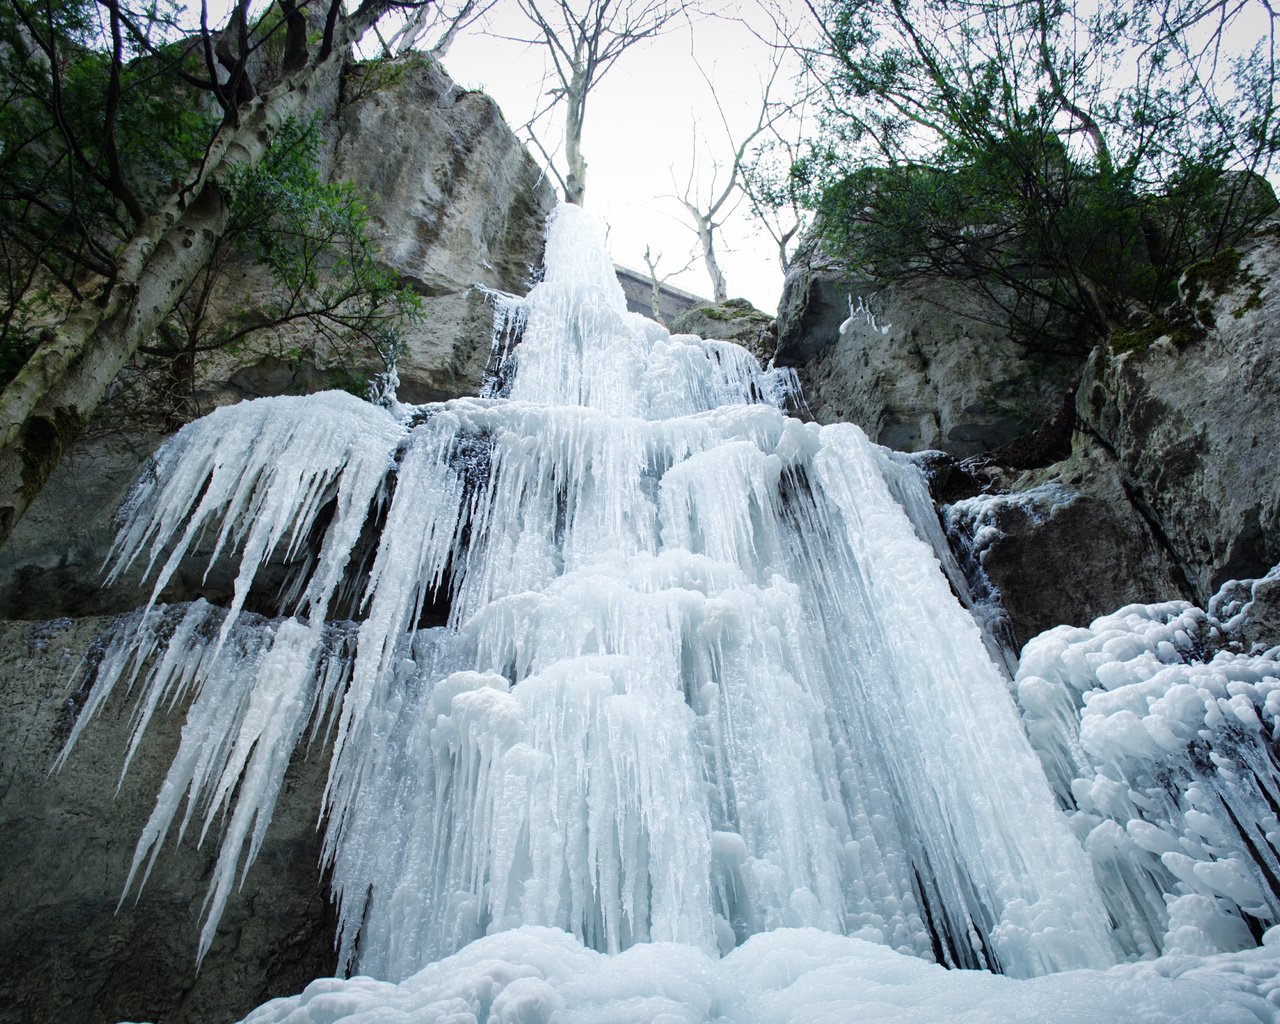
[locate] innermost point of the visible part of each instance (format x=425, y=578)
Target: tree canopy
x=1069, y=165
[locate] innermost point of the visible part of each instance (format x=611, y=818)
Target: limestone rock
x=815, y=302
x=51, y=565
x=1064, y=545
x=918, y=365
x=66, y=841
x=1189, y=407
x=733, y=320
x=460, y=203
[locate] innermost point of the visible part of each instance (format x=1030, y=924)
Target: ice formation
x=1162, y=740
x=618, y=650
x=791, y=976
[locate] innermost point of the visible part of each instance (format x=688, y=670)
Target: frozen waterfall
x=624, y=652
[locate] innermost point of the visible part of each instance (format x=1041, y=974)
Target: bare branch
x=584, y=39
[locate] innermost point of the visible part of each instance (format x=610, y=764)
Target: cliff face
x=66, y=842
x=1190, y=411
x=918, y=365
x=459, y=204
x=1164, y=484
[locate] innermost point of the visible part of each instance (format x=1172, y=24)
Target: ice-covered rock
x=697, y=675
x=458, y=211
x=1160, y=738
x=1063, y=544
x=74, y=953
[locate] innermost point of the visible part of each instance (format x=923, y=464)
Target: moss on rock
x=1141, y=333
x=1220, y=275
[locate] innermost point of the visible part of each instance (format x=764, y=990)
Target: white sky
x=641, y=122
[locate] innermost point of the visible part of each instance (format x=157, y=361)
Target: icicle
x=635, y=656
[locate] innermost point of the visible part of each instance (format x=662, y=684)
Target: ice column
x=630, y=654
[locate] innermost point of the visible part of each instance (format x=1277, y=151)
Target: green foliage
x=322, y=274
x=98, y=127
x=61, y=221
x=1140, y=333
x=1222, y=274
x=1067, y=167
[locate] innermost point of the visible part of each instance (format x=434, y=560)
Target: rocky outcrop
x=1188, y=405
x=733, y=320
x=66, y=840
x=1063, y=544
x=460, y=205
x=918, y=364
x=1171, y=489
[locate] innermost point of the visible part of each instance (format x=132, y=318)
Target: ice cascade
x=624, y=652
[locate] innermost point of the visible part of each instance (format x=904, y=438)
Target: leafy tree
x=1069, y=166
x=124, y=137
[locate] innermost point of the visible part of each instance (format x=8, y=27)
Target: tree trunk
x=575, y=181
x=49, y=403
x=706, y=235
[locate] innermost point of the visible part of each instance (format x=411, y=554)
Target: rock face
x=51, y=565
x=733, y=320
x=918, y=365
x=1063, y=544
x=460, y=204
x=1191, y=413
x=66, y=841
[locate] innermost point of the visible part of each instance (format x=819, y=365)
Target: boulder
x=66, y=841
x=1063, y=544
x=733, y=320
x=1187, y=401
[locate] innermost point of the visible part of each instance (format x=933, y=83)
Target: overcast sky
x=646, y=121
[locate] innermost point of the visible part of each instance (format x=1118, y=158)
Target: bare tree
x=439, y=20
x=766, y=184
x=708, y=202
x=656, y=281
x=585, y=38
x=125, y=291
